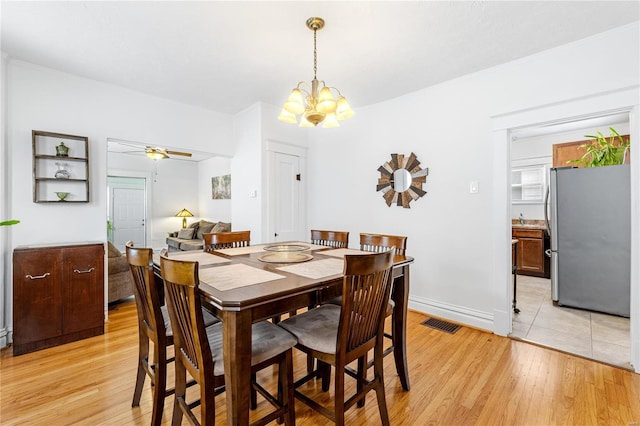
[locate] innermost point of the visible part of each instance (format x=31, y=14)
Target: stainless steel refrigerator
x=589, y=223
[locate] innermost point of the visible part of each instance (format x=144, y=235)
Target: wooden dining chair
x=154, y=327
x=199, y=351
x=223, y=240
x=340, y=335
x=335, y=239
x=379, y=243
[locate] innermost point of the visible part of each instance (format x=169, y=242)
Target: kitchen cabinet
x=58, y=295
x=528, y=184
x=531, y=258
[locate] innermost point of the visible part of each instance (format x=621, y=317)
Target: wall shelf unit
x=56, y=174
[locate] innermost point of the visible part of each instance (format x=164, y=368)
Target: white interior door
x=128, y=217
x=286, y=197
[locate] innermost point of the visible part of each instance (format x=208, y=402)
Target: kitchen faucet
x=521, y=219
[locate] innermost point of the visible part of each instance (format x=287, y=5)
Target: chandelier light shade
x=315, y=102
x=184, y=214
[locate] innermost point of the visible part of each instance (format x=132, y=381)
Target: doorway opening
x=127, y=210
x=539, y=317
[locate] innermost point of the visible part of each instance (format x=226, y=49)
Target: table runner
x=342, y=252
x=237, y=251
x=316, y=269
x=202, y=257
x=228, y=277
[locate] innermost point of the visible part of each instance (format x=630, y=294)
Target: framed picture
x=221, y=187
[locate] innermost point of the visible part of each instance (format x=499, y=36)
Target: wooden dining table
x=242, y=288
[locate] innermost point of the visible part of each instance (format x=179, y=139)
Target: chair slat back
x=380, y=242
x=185, y=311
x=146, y=292
x=335, y=239
x=223, y=240
x=366, y=291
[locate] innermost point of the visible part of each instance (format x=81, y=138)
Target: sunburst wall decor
x=401, y=180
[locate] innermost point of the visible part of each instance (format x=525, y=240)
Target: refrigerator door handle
x=547, y=252
x=546, y=213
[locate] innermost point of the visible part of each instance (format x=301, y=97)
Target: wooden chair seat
x=154, y=327
x=338, y=335
x=199, y=351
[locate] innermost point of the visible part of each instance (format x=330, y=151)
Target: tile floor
x=593, y=335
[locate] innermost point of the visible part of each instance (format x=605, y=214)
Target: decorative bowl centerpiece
x=62, y=195
x=285, y=253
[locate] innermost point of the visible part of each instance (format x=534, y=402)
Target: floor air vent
x=445, y=326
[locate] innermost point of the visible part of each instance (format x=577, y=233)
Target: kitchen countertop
x=528, y=224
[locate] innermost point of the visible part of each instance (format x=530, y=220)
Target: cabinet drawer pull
x=77, y=271
x=38, y=277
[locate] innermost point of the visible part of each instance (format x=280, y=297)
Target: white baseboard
x=459, y=314
x=4, y=338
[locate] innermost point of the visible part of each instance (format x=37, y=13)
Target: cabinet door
x=531, y=254
x=83, y=288
x=36, y=295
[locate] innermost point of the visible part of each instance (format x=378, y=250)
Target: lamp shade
x=343, y=111
x=326, y=103
x=295, y=103
x=184, y=214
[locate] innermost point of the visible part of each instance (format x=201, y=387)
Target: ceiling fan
x=157, y=153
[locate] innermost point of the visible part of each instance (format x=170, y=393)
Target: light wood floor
x=469, y=378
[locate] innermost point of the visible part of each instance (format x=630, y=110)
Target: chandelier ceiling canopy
x=318, y=104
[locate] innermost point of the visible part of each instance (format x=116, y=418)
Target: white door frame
x=147, y=191
x=621, y=101
x=271, y=147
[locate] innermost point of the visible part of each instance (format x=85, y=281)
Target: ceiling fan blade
x=184, y=154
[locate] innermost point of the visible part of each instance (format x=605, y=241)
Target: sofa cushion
x=173, y=242
x=221, y=227
x=204, y=227
x=187, y=245
x=186, y=233
x=112, y=250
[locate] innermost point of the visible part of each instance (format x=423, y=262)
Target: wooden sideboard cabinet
x=531, y=258
x=58, y=295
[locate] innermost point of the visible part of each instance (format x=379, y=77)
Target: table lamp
x=184, y=214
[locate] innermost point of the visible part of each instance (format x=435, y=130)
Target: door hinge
x=298, y=176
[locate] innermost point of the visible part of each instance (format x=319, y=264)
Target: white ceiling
x=225, y=56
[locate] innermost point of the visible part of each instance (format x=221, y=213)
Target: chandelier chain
x=315, y=55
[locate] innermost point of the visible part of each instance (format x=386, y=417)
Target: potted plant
x=604, y=151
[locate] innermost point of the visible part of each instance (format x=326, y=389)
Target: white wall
x=43, y=99
x=450, y=231
x=208, y=208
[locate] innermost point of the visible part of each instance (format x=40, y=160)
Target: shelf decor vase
x=62, y=150
x=62, y=172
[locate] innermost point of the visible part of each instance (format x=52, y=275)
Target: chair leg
x=160, y=385
x=207, y=404
x=310, y=364
x=362, y=375
x=325, y=374
x=253, y=395
x=285, y=382
x=143, y=358
x=339, y=396
x=180, y=392
x=380, y=393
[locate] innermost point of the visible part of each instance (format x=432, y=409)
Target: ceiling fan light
x=155, y=154
x=295, y=103
x=343, y=110
x=330, y=121
x=287, y=117
x=326, y=103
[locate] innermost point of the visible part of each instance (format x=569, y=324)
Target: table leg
x=236, y=344
x=400, y=296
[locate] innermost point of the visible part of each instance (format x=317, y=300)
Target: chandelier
x=318, y=105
